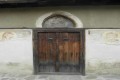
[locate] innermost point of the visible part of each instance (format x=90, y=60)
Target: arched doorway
x=59, y=44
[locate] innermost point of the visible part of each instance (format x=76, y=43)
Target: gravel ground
x=58, y=77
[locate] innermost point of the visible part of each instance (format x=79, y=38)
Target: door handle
x=50, y=39
x=65, y=39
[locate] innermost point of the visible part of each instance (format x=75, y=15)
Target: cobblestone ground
x=58, y=77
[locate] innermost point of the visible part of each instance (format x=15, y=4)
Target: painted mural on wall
x=16, y=51
x=103, y=51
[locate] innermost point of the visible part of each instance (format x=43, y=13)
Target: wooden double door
x=59, y=52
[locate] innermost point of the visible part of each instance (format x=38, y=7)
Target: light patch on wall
x=111, y=37
x=16, y=55
x=103, y=51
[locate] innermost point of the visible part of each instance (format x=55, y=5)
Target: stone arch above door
x=58, y=19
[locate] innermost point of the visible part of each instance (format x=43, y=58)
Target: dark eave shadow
x=44, y=3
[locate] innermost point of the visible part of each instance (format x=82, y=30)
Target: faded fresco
x=16, y=54
x=58, y=22
x=103, y=51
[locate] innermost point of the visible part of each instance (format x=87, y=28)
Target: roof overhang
x=35, y=3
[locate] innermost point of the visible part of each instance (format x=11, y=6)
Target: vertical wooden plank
x=70, y=49
x=52, y=51
x=35, y=52
x=83, y=51
x=65, y=50
x=41, y=53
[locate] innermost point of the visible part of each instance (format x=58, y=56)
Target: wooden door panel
x=47, y=52
x=69, y=52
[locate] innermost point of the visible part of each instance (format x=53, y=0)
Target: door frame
x=35, y=48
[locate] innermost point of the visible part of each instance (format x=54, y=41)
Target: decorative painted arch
x=75, y=20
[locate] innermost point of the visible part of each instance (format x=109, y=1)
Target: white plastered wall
x=103, y=51
x=16, y=53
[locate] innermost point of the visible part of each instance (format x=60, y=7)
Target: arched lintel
x=76, y=20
